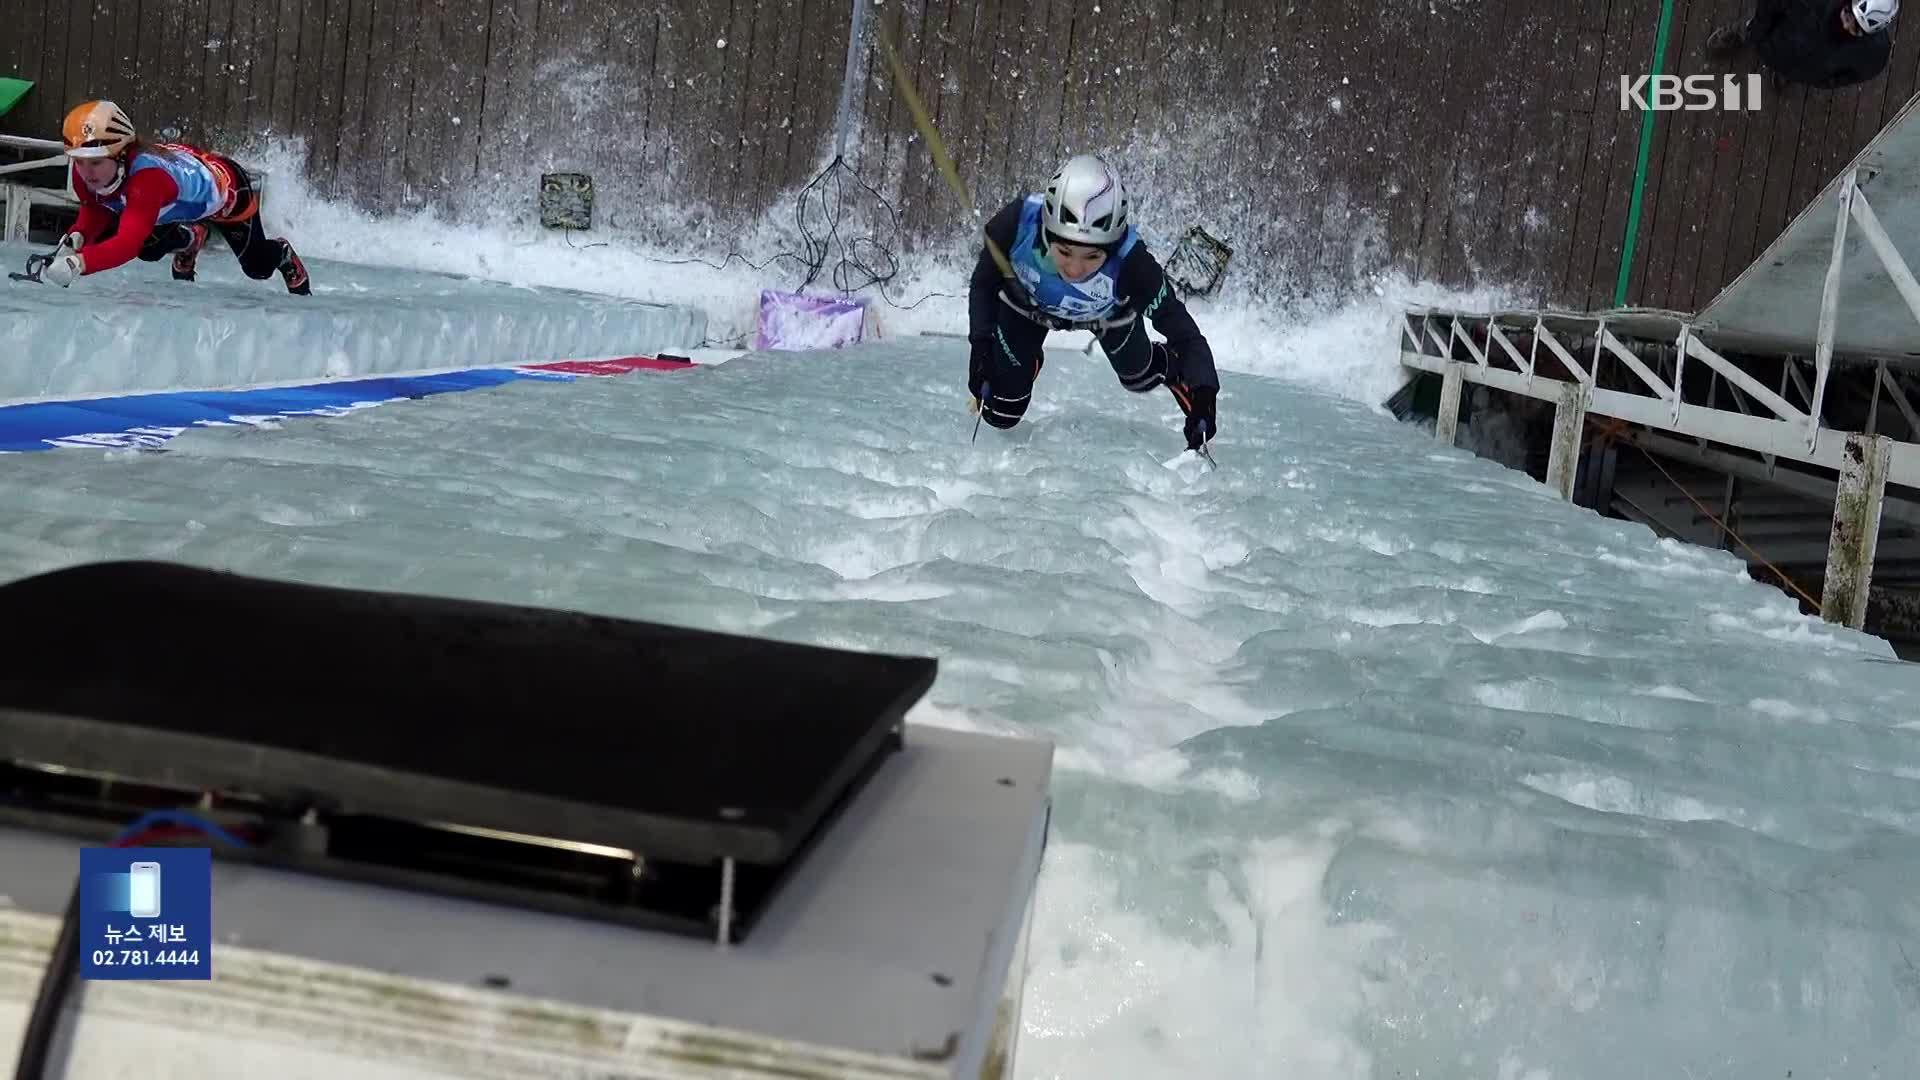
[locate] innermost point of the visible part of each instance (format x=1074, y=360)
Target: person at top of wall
x=1825, y=44
x=1081, y=266
x=150, y=200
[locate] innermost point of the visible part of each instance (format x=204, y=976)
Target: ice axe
x=35, y=265
x=1202, y=448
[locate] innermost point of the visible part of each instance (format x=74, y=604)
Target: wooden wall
x=1454, y=140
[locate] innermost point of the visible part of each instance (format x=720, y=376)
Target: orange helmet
x=97, y=129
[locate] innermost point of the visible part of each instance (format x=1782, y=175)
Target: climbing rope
x=1613, y=428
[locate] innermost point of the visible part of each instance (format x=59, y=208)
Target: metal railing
x=19, y=198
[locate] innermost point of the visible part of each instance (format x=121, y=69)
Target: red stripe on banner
x=613, y=367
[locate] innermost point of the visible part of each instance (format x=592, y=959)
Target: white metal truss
x=56, y=151
x=1763, y=420
x=1884, y=382
x=20, y=198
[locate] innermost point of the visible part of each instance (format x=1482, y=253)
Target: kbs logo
x=1693, y=93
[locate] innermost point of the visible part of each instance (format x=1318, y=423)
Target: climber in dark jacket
x=1825, y=44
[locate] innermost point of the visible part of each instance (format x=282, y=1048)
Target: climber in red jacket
x=149, y=200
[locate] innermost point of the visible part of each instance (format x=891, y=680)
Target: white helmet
x=1874, y=15
x=1085, y=203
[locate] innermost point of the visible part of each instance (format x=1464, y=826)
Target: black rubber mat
x=661, y=739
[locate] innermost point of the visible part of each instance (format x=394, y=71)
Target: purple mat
x=791, y=321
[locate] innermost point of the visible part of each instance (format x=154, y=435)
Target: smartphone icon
x=144, y=894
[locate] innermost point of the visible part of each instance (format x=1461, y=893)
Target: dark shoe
x=1727, y=40
x=294, y=272
x=185, y=258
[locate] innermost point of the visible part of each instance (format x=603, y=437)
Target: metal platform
x=1776, y=303
x=490, y=811
x=1836, y=285
x=1830, y=309
x=896, y=951
x=1557, y=356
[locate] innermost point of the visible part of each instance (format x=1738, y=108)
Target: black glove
x=1201, y=425
x=979, y=365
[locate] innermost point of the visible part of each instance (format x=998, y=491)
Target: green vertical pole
x=1640, y=170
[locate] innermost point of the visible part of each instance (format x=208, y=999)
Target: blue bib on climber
x=200, y=191
x=1085, y=301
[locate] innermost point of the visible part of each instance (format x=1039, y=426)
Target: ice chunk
x=1373, y=761
x=134, y=329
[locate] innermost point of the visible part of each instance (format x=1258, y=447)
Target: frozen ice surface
x=1375, y=760
x=135, y=329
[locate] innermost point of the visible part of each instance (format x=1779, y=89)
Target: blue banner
x=149, y=420
x=146, y=913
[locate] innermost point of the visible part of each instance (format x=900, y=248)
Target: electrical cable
x=865, y=259
x=36, y=1044
x=56, y=985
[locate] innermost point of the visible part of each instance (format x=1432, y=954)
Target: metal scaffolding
x=1563, y=354
x=18, y=198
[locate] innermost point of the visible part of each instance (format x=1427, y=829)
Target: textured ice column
x=1376, y=758
x=135, y=329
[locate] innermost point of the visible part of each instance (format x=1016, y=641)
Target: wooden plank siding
x=1464, y=142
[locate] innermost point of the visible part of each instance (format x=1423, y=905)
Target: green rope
x=1640, y=170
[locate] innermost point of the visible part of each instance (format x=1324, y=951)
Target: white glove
x=72, y=242
x=62, y=270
